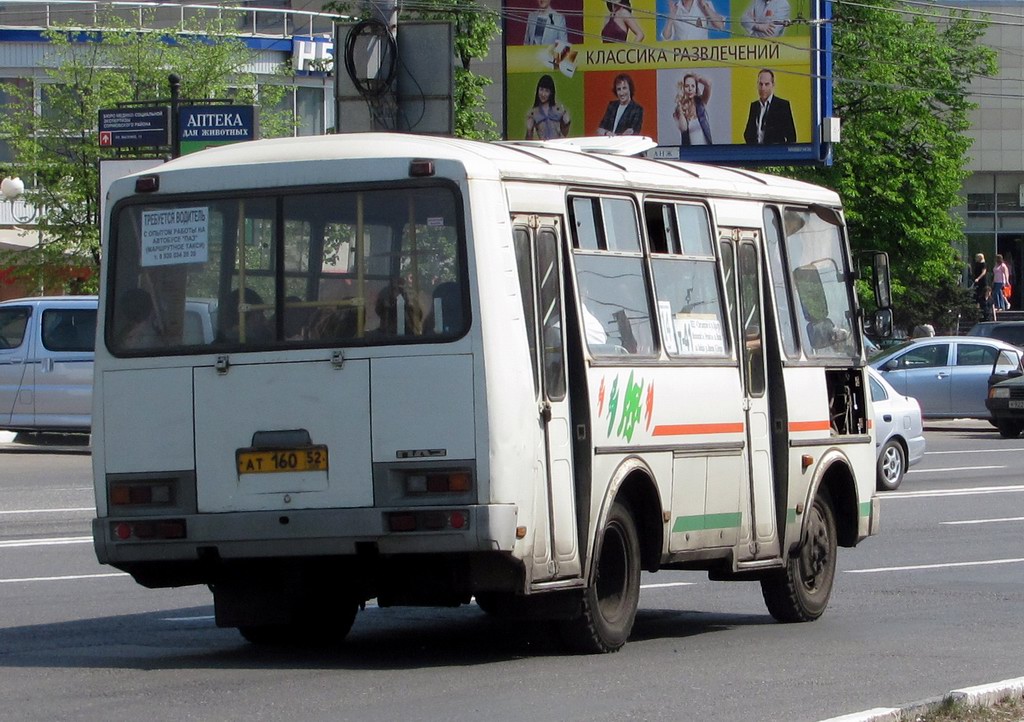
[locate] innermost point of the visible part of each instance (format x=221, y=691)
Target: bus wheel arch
x=628, y=539
x=801, y=591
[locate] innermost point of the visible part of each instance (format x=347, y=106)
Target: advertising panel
x=709, y=80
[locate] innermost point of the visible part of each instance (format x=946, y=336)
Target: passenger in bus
x=138, y=327
x=333, y=324
x=397, y=313
x=257, y=328
x=547, y=118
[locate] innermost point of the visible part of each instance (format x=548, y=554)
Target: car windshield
x=891, y=351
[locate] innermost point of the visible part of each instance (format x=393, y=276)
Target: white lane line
x=947, y=565
x=15, y=543
x=1000, y=450
x=955, y=468
x=69, y=577
x=667, y=584
x=954, y=492
x=203, y=618
x=90, y=509
x=983, y=521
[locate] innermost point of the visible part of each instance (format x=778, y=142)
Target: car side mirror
x=891, y=365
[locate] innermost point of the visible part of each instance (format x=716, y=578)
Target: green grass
x=1008, y=710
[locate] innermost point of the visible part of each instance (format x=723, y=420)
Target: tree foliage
x=901, y=90
x=57, y=150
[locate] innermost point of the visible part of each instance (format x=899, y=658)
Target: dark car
x=1009, y=331
x=1005, y=402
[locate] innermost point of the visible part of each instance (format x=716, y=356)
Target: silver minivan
x=46, y=362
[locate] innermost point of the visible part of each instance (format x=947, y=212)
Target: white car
x=899, y=432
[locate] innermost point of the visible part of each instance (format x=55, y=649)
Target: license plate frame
x=282, y=461
x=1016, y=404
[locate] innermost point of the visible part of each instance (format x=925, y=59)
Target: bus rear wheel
x=801, y=592
x=609, y=603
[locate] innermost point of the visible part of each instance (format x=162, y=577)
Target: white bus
x=445, y=370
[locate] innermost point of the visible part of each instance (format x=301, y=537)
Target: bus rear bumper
x=302, y=533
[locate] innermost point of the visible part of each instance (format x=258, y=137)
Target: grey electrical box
x=421, y=69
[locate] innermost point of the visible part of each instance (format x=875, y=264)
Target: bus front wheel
x=609, y=603
x=801, y=592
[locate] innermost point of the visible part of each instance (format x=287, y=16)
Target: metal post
x=175, y=82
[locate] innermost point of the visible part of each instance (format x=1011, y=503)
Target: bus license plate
x=272, y=461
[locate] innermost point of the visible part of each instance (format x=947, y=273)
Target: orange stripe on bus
x=809, y=425
x=687, y=429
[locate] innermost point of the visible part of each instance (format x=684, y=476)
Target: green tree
x=901, y=89
x=474, y=28
x=56, y=150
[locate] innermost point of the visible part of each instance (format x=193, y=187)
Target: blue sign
x=200, y=126
x=134, y=127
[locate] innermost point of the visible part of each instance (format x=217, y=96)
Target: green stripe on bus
x=699, y=522
x=791, y=516
x=865, y=508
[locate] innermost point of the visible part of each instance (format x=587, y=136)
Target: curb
x=984, y=695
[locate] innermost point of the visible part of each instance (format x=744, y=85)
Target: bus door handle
x=545, y=411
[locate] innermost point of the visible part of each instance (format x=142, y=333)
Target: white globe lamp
x=11, y=188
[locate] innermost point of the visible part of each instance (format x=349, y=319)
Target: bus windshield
x=821, y=281
x=348, y=267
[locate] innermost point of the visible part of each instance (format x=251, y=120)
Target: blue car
x=948, y=375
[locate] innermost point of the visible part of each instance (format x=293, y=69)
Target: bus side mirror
x=882, y=281
x=882, y=322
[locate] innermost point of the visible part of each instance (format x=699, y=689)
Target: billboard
x=741, y=81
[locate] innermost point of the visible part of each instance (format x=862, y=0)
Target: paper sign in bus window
x=175, y=235
x=699, y=333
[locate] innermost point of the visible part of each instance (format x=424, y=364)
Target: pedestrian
x=988, y=305
x=1000, y=282
x=980, y=277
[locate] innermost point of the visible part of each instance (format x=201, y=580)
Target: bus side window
x=686, y=282
x=614, y=303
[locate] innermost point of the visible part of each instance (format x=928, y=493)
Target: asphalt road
x=931, y=604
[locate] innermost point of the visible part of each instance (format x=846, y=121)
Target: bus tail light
x=428, y=520
x=149, y=493
x=439, y=483
x=149, y=530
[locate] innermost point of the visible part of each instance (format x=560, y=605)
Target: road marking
x=955, y=468
x=667, y=584
x=69, y=577
x=953, y=492
x=947, y=565
x=203, y=618
x=90, y=509
x=984, y=521
x=14, y=543
x=972, y=451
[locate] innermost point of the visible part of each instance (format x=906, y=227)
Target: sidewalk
x=984, y=695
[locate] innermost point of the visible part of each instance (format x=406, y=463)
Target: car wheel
x=1009, y=429
x=892, y=464
x=801, y=592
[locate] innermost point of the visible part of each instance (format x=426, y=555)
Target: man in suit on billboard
x=770, y=121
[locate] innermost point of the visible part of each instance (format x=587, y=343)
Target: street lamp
x=12, y=187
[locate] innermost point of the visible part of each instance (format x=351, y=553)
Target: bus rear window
x=346, y=268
